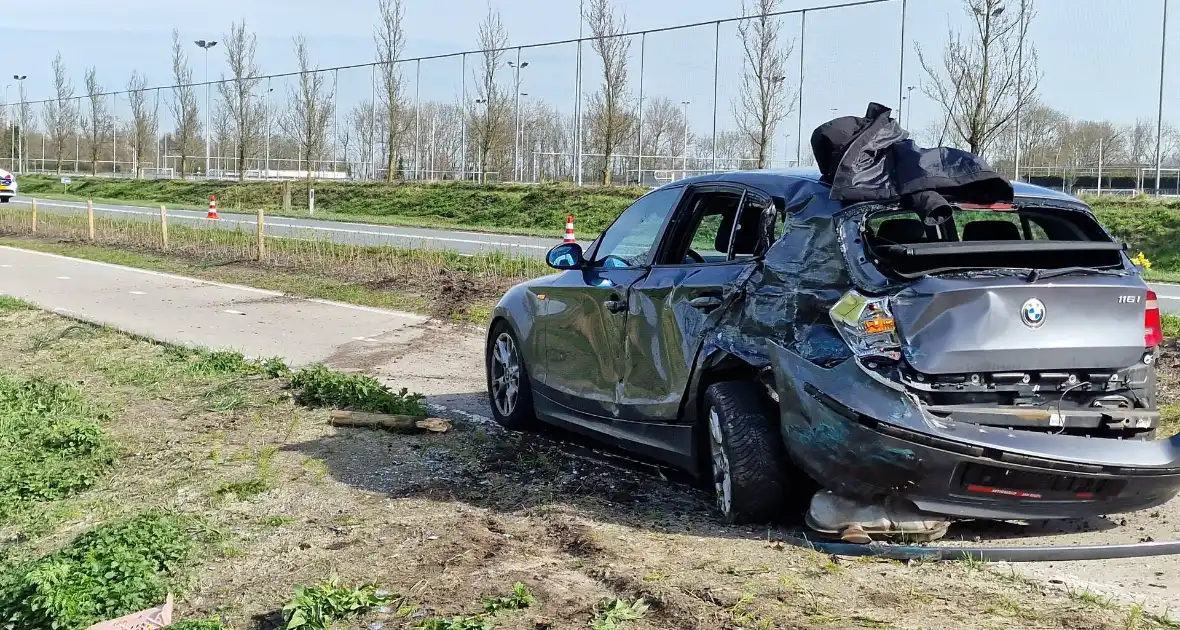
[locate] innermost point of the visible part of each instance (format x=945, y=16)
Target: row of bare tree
x=381, y=137
x=985, y=81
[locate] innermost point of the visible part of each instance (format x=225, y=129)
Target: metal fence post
x=901, y=68
x=335, y=121
x=716, y=67
x=1159, y=128
x=578, y=99
x=417, y=119
x=642, y=59
x=463, y=115
x=799, y=131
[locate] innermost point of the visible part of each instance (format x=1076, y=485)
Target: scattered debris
x=343, y=418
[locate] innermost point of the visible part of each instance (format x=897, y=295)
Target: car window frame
x=684, y=214
x=592, y=252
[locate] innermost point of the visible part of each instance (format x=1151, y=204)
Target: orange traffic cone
x=212, y=208
x=569, y=229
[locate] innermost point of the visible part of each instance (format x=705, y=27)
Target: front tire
x=750, y=467
x=509, y=393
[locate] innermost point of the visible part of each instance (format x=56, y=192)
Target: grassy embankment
x=132, y=470
x=506, y=208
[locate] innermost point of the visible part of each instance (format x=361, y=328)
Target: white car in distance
x=7, y=186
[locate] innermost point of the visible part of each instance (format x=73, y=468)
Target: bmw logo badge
x=1033, y=313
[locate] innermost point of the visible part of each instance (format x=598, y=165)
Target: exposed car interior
x=720, y=230
x=1012, y=237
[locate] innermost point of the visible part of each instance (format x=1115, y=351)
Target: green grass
x=51, y=443
x=530, y=209
x=317, y=386
x=110, y=571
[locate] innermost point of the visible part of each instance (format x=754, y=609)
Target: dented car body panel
x=920, y=430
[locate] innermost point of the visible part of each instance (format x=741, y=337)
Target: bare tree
x=243, y=106
x=764, y=100
x=97, y=121
x=987, y=74
x=61, y=113
x=489, y=112
x=184, y=103
x=390, y=38
x=310, y=109
x=662, y=120
x=143, y=120
x=608, y=119
x=363, y=120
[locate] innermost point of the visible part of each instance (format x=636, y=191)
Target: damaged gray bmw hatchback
x=897, y=363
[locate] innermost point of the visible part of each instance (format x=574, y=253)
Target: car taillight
x=867, y=326
x=1153, y=329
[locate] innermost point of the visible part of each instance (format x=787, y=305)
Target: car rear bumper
x=863, y=439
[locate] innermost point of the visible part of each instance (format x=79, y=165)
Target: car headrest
x=745, y=242
x=901, y=231
x=991, y=230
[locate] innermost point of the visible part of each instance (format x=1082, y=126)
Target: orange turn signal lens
x=878, y=325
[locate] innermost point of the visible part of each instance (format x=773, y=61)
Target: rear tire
x=4, y=199
x=509, y=393
x=751, y=471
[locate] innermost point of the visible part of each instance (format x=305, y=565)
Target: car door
x=711, y=247
x=585, y=317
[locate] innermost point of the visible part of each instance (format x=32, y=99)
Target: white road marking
x=1167, y=297
x=296, y=226
x=137, y=293
x=6, y=266
x=233, y=312
x=63, y=277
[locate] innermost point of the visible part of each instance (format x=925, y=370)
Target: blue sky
x=1100, y=58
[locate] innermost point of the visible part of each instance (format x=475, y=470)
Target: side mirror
x=566, y=256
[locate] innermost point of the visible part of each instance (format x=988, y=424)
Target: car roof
x=779, y=181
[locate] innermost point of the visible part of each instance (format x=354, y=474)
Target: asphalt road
x=369, y=234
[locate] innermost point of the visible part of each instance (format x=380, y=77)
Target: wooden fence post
x=164, y=227
x=261, y=237
x=34, y=202
x=286, y=195
x=90, y=216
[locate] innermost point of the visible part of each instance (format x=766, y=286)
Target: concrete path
x=182, y=310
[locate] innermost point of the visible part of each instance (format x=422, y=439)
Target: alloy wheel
x=722, y=480
x=505, y=374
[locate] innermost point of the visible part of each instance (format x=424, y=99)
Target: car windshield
x=1003, y=237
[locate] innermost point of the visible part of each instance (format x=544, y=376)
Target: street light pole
x=578, y=97
x=516, y=168
x=206, y=45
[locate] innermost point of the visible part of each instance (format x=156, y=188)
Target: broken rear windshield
x=901, y=245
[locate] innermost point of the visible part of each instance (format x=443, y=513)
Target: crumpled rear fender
x=825, y=437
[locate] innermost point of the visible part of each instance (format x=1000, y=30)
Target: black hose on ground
x=991, y=554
